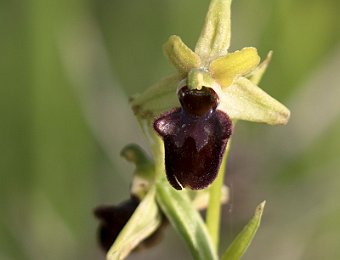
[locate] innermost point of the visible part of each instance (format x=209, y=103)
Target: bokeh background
x=67, y=68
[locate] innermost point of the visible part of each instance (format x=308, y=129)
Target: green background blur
x=66, y=70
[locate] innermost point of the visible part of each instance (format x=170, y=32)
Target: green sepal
x=159, y=98
x=240, y=244
x=144, y=221
x=214, y=40
x=178, y=208
x=245, y=101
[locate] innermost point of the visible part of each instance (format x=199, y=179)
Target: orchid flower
x=193, y=109
x=188, y=119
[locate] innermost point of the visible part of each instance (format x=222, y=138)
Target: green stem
x=214, y=207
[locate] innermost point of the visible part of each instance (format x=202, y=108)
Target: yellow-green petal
x=245, y=101
x=180, y=55
x=214, y=40
x=225, y=69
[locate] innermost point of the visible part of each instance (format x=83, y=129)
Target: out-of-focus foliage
x=66, y=70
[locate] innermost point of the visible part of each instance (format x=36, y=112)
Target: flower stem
x=214, y=207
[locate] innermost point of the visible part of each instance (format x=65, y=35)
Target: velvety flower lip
x=195, y=137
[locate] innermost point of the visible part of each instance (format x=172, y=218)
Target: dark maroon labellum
x=195, y=137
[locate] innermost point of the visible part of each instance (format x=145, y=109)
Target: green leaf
x=178, y=208
x=244, y=100
x=144, y=221
x=240, y=244
x=214, y=40
x=180, y=55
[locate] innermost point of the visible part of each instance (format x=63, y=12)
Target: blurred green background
x=66, y=71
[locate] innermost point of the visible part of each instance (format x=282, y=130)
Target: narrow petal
x=246, y=101
x=180, y=55
x=256, y=75
x=225, y=69
x=214, y=40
